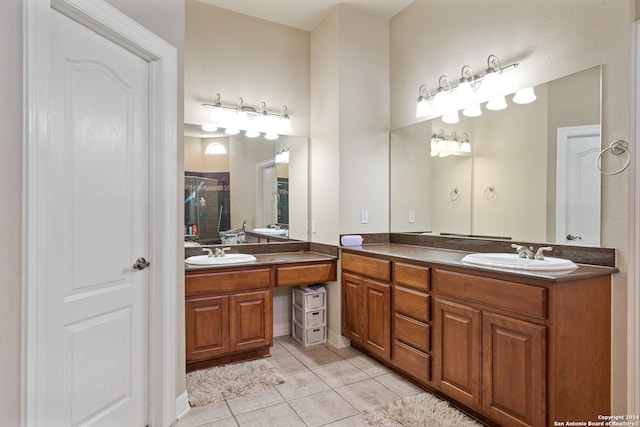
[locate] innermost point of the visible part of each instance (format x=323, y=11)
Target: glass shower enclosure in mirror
x=262, y=187
x=530, y=175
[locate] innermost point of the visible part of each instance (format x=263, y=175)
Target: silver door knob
x=572, y=237
x=141, y=264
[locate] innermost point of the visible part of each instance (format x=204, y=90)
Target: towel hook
x=454, y=195
x=617, y=147
x=490, y=193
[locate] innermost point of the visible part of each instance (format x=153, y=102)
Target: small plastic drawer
x=308, y=318
x=309, y=300
x=309, y=336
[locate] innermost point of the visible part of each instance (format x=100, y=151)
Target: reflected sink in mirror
x=223, y=260
x=513, y=261
x=191, y=244
x=270, y=231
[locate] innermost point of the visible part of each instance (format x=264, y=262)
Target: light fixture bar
x=459, y=94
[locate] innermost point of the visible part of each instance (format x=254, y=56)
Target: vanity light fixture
x=466, y=94
x=246, y=118
x=443, y=145
x=282, y=156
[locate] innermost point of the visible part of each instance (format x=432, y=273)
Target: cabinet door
x=457, y=347
x=377, y=330
x=513, y=370
x=251, y=320
x=352, y=307
x=207, y=327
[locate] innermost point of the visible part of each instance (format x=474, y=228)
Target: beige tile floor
x=323, y=387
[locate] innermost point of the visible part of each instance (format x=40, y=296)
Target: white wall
x=363, y=54
x=349, y=132
x=549, y=39
x=240, y=56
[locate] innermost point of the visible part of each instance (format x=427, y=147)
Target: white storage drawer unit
x=309, y=315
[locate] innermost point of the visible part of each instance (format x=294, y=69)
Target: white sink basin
x=223, y=260
x=271, y=231
x=513, y=261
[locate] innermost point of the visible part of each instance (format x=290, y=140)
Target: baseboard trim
x=337, y=340
x=182, y=405
x=282, y=329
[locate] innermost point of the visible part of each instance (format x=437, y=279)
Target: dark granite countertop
x=263, y=259
x=453, y=258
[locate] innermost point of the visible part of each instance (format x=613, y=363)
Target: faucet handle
x=521, y=250
x=209, y=252
x=539, y=252
x=223, y=251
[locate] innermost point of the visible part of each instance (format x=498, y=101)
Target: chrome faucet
x=527, y=252
x=542, y=249
x=523, y=251
x=221, y=252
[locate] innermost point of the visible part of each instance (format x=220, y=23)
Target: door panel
x=377, y=303
x=457, y=342
x=97, y=175
x=207, y=327
x=251, y=321
x=514, y=369
x=352, y=307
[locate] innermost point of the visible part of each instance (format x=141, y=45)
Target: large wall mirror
x=530, y=175
x=239, y=184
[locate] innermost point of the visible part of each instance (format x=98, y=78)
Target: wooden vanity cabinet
x=366, y=303
x=518, y=353
x=521, y=351
x=228, y=314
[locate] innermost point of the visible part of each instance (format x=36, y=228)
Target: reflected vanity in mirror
x=240, y=189
x=530, y=174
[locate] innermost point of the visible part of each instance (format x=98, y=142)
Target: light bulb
x=252, y=133
x=472, y=110
x=423, y=108
x=451, y=117
x=497, y=103
x=209, y=127
x=271, y=136
x=232, y=131
x=524, y=96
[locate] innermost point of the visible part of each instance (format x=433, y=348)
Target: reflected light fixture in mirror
x=215, y=148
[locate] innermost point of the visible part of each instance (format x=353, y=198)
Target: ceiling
x=306, y=14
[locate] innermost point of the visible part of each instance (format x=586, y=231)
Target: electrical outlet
x=313, y=226
x=412, y=216
x=364, y=216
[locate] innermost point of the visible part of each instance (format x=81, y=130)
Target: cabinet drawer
x=412, y=332
x=412, y=361
x=412, y=276
x=508, y=296
x=372, y=267
x=307, y=274
x=210, y=281
x=411, y=303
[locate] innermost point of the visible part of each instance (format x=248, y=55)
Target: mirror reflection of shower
x=205, y=210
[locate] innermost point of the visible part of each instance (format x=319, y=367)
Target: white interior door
x=97, y=180
x=269, y=196
x=578, y=186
